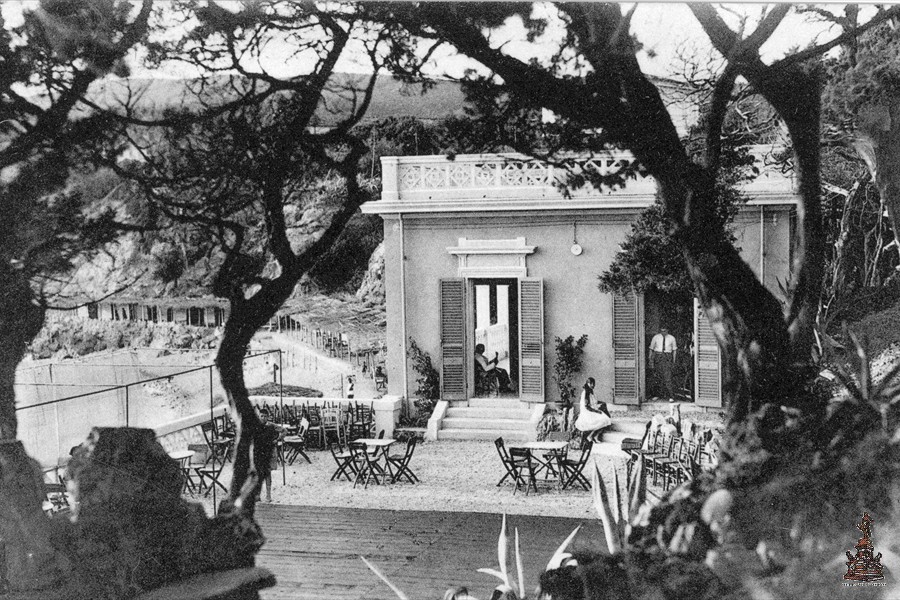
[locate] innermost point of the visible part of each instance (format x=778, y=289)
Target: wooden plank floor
x=314, y=551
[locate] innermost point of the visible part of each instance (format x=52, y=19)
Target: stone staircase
x=485, y=419
x=611, y=441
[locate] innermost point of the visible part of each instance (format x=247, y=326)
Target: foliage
x=569, y=361
x=549, y=422
x=650, y=257
x=429, y=379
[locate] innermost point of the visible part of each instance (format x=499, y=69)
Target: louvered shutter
x=626, y=349
x=531, y=340
x=453, y=339
x=707, y=362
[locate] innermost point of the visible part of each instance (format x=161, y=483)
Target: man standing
x=662, y=360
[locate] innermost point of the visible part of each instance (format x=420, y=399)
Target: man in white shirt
x=662, y=360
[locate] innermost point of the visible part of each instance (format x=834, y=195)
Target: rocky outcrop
x=132, y=531
x=78, y=337
x=372, y=288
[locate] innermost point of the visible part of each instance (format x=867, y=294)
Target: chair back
x=381, y=434
x=501, y=449
x=314, y=416
x=410, y=448
x=586, y=448
x=209, y=431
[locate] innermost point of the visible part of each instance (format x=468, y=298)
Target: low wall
x=386, y=409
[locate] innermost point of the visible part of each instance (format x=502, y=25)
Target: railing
x=490, y=177
x=336, y=344
x=49, y=429
x=495, y=339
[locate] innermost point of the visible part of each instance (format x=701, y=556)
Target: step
x=485, y=434
x=616, y=437
x=608, y=450
x=633, y=428
x=496, y=424
x=489, y=413
x=496, y=403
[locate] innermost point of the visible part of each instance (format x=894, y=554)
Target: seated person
x=490, y=368
x=592, y=420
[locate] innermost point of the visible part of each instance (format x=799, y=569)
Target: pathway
x=314, y=551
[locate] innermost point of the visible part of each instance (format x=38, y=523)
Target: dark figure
x=662, y=361
x=491, y=369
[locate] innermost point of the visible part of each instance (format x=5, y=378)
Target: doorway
x=674, y=312
x=495, y=306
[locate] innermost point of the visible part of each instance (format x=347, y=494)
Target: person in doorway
x=491, y=369
x=592, y=420
x=662, y=361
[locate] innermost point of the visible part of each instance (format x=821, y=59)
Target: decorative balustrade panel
x=499, y=177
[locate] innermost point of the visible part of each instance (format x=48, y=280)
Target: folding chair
x=346, y=466
x=504, y=458
x=295, y=445
x=331, y=424
x=401, y=462
x=520, y=461
x=219, y=448
x=314, y=415
x=366, y=467
x=573, y=470
x=209, y=477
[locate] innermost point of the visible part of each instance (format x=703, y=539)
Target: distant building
x=484, y=249
x=201, y=312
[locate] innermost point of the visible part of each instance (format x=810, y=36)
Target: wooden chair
x=661, y=465
x=346, y=467
x=573, y=470
x=504, y=458
x=219, y=448
x=380, y=378
x=331, y=424
x=295, y=445
x=401, y=463
x=209, y=478
x=366, y=466
x=315, y=428
x=523, y=467
x=486, y=382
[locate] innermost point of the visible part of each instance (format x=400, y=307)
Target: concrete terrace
x=314, y=551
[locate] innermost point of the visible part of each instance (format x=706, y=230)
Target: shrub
x=569, y=360
x=428, y=390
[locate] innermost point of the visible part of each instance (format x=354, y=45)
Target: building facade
x=486, y=250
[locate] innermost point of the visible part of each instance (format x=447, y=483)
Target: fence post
x=212, y=420
x=127, y=408
x=281, y=403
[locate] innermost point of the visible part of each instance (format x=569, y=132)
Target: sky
x=666, y=29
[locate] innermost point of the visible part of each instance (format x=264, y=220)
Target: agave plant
x=505, y=590
x=617, y=512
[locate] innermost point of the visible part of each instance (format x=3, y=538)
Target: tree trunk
x=252, y=451
x=32, y=562
x=878, y=143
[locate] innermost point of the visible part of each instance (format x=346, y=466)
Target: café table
x=183, y=457
x=377, y=449
x=543, y=453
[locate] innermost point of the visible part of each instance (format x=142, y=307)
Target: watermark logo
x=865, y=566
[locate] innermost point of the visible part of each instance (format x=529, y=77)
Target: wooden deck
x=314, y=552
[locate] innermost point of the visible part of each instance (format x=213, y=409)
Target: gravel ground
x=454, y=476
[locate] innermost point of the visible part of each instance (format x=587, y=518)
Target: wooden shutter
x=707, y=362
x=531, y=340
x=453, y=339
x=626, y=349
